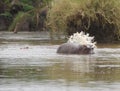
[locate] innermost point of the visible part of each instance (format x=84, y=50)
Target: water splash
x=82, y=39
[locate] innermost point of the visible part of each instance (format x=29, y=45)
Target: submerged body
x=74, y=48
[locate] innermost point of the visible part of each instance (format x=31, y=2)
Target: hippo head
x=85, y=49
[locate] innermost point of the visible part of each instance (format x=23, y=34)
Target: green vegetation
x=18, y=20
x=24, y=13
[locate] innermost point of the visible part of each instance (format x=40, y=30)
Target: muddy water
x=29, y=62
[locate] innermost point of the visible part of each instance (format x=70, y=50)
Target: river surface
x=29, y=62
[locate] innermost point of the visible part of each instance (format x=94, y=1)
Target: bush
x=100, y=18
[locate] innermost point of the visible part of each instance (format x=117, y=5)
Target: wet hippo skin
x=72, y=48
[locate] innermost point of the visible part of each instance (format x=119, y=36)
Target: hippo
x=74, y=48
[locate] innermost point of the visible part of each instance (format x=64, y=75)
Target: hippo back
x=72, y=48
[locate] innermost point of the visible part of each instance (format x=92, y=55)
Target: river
x=29, y=62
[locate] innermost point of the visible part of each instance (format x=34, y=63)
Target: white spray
x=82, y=39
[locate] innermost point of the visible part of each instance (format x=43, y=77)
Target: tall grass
x=100, y=18
x=60, y=10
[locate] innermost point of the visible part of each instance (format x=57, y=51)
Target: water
x=29, y=62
